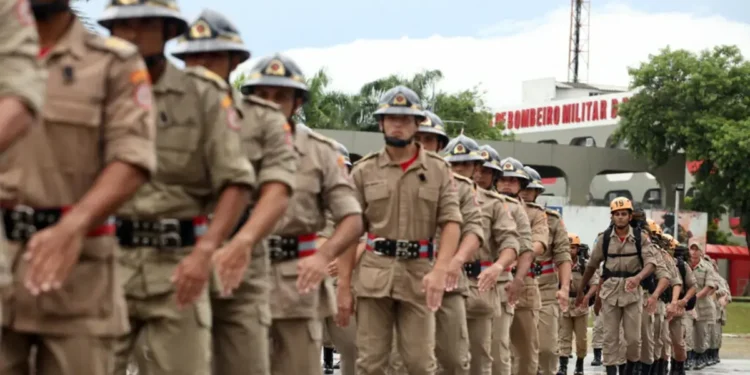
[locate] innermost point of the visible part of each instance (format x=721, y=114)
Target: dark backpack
x=649, y=283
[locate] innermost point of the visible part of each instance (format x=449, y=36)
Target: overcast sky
x=494, y=44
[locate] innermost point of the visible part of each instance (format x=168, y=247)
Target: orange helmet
x=653, y=227
x=574, y=239
x=620, y=203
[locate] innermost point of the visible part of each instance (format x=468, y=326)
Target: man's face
x=218, y=62
x=574, y=250
x=399, y=126
x=429, y=141
x=695, y=254
x=529, y=195
x=508, y=185
x=283, y=96
x=464, y=168
x=146, y=33
x=483, y=177
x=621, y=218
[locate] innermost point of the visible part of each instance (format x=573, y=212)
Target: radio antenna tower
x=578, y=51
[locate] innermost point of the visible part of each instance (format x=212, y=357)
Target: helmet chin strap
x=396, y=142
x=44, y=11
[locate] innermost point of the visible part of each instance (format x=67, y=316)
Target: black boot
x=579, y=366
x=628, y=368
x=636, y=368
x=700, y=361
x=327, y=361
x=714, y=356
x=679, y=368
x=718, y=359
x=611, y=370
x=662, y=369
x=645, y=368
x=563, y=370
x=690, y=360
x=597, y=357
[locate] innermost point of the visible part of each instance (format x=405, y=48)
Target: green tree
x=699, y=105
x=239, y=80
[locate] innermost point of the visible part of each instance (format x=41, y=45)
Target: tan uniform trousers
x=647, y=334
x=702, y=331
x=677, y=339
x=597, y=334
x=480, y=342
x=164, y=339
x=627, y=318
x=240, y=337
x=501, y=352
x=295, y=345
x=661, y=337
x=573, y=325
x=687, y=325
x=451, y=339
x=415, y=327
x=56, y=355
x=716, y=336
x=344, y=340
x=525, y=334
x=549, y=319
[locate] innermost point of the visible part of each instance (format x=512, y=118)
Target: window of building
x=652, y=196
x=583, y=142
x=612, y=194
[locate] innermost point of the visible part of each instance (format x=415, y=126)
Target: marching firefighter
x=666, y=304
x=298, y=267
x=407, y=194
x=706, y=284
x=523, y=331
x=628, y=258
x=90, y=151
x=487, y=178
x=483, y=267
x=240, y=320
x=554, y=281
x=166, y=238
x=723, y=298
x=575, y=320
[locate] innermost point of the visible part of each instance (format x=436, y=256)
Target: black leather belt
x=473, y=269
x=401, y=249
x=158, y=233
x=21, y=222
x=283, y=248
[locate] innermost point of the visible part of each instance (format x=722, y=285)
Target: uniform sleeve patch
x=143, y=95
x=23, y=13
x=140, y=76
x=226, y=102
x=288, y=134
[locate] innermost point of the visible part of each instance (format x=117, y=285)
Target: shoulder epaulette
x=535, y=205
x=462, y=178
x=120, y=47
x=435, y=155
x=266, y=103
x=366, y=157
x=323, y=139
x=207, y=75
x=509, y=199
x=494, y=194
x=552, y=212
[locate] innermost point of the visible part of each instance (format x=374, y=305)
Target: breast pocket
x=376, y=197
x=74, y=125
x=177, y=138
x=306, y=198
x=427, y=204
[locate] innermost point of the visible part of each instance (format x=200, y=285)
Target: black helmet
x=276, y=70
x=211, y=32
x=491, y=157
x=400, y=100
x=344, y=152
x=434, y=125
x=461, y=149
x=513, y=168
x=129, y=9
x=535, y=177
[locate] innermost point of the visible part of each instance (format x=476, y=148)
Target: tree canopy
x=697, y=104
x=461, y=111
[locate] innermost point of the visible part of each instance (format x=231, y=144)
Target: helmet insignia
x=275, y=68
x=485, y=155
x=200, y=30
x=400, y=99
x=126, y=2
x=507, y=166
x=459, y=149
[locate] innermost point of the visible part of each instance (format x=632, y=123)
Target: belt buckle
x=275, y=250
x=23, y=222
x=402, y=249
x=169, y=233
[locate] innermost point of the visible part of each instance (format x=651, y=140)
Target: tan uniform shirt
x=400, y=205
x=98, y=110
x=557, y=253
x=199, y=154
x=22, y=75
x=471, y=214
x=524, y=233
x=267, y=142
x=575, y=281
x=613, y=289
x=705, y=276
x=322, y=184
